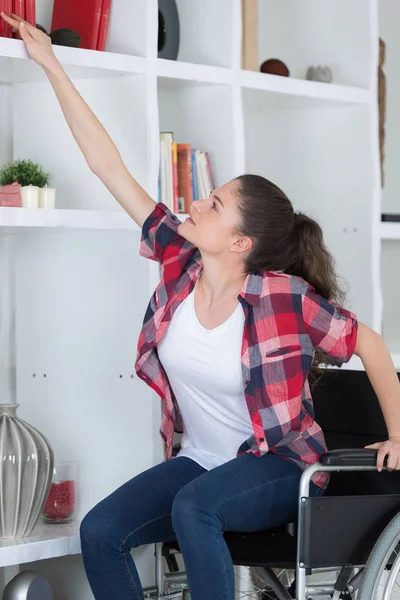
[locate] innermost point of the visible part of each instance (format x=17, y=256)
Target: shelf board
x=303, y=92
x=390, y=231
x=183, y=71
x=16, y=66
x=20, y=219
x=46, y=541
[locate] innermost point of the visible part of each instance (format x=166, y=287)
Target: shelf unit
x=78, y=296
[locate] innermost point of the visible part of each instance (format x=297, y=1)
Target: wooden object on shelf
x=382, y=106
x=250, y=60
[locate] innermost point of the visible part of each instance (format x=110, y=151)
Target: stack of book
x=89, y=19
x=26, y=9
x=185, y=174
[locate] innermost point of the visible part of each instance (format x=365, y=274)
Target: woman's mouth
x=189, y=220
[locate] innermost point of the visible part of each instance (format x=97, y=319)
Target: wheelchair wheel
x=264, y=583
x=381, y=579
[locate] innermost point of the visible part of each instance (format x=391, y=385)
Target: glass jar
x=61, y=501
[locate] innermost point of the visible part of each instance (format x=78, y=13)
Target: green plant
x=25, y=172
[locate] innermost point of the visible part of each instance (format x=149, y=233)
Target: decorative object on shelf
x=382, y=106
x=41, y=28
x=65, y=37
x=25, y=172
x=61, y=502
x=250, y=35
x=26, y=466
x=47, y=197
x=319, y=73
x=28, y=585
x=274, y=66
x=30, y=196
x=10, y=195
x=168, y=29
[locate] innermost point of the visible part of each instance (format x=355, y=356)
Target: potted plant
x=17, y=175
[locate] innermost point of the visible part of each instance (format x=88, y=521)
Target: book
x=166, y=137
x=210, y=173
x=174, y=151
x=201, y=182
x=194, y=175
x=7, y=9
x=81, y=17
x=30, y=12
x=18, y=8
x=104, y=23
x=185, y=183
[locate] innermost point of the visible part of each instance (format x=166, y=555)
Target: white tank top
x=204, y=370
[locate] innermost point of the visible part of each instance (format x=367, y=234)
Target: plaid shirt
x=285, y=323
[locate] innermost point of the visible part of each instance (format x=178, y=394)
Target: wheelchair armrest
x=349, y=457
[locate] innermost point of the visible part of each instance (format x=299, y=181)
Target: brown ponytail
x=313, y=261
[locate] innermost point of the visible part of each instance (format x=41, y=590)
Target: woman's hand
x=391, y=450
x=37, y=43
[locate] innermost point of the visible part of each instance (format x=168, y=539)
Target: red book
x=18, y=8
x=81, y=17
x=30, y=12
x=7, y=8
x=185, y=187
x=104, y=22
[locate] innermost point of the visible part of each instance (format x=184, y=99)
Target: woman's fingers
x=10, y=21
x=16, y=22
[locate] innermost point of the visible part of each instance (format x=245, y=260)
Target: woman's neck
x=220, y=282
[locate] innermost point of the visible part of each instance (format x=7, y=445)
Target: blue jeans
x=178, y=499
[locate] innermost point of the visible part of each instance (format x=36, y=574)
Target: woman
x=228, y=341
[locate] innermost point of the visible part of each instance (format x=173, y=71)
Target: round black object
x=41, y=28
x=168, y=29
x=65, y=37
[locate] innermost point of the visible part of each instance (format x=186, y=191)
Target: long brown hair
x=285, y=240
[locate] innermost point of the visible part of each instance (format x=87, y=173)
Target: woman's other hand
x=37, y=43
x=389, y=449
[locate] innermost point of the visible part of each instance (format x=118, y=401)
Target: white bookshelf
x=80, y=289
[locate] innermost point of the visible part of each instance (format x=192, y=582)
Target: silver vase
x=26, y=467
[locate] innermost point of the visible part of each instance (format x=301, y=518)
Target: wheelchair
x=346, y=543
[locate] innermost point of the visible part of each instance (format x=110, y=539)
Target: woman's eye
x=214, y=206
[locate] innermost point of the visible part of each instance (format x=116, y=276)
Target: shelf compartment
x=205, y=40
x=40, y=132
x=201, y=114
x=311, y=32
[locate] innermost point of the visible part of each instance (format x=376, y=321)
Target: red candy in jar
x=60, y=503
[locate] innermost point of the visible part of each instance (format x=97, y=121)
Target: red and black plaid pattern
x=285, y=323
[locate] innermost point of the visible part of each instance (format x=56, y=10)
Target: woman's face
x=214, y=222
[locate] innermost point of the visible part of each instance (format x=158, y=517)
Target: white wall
x=389, y=14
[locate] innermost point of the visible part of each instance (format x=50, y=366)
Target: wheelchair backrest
x=347, y=409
